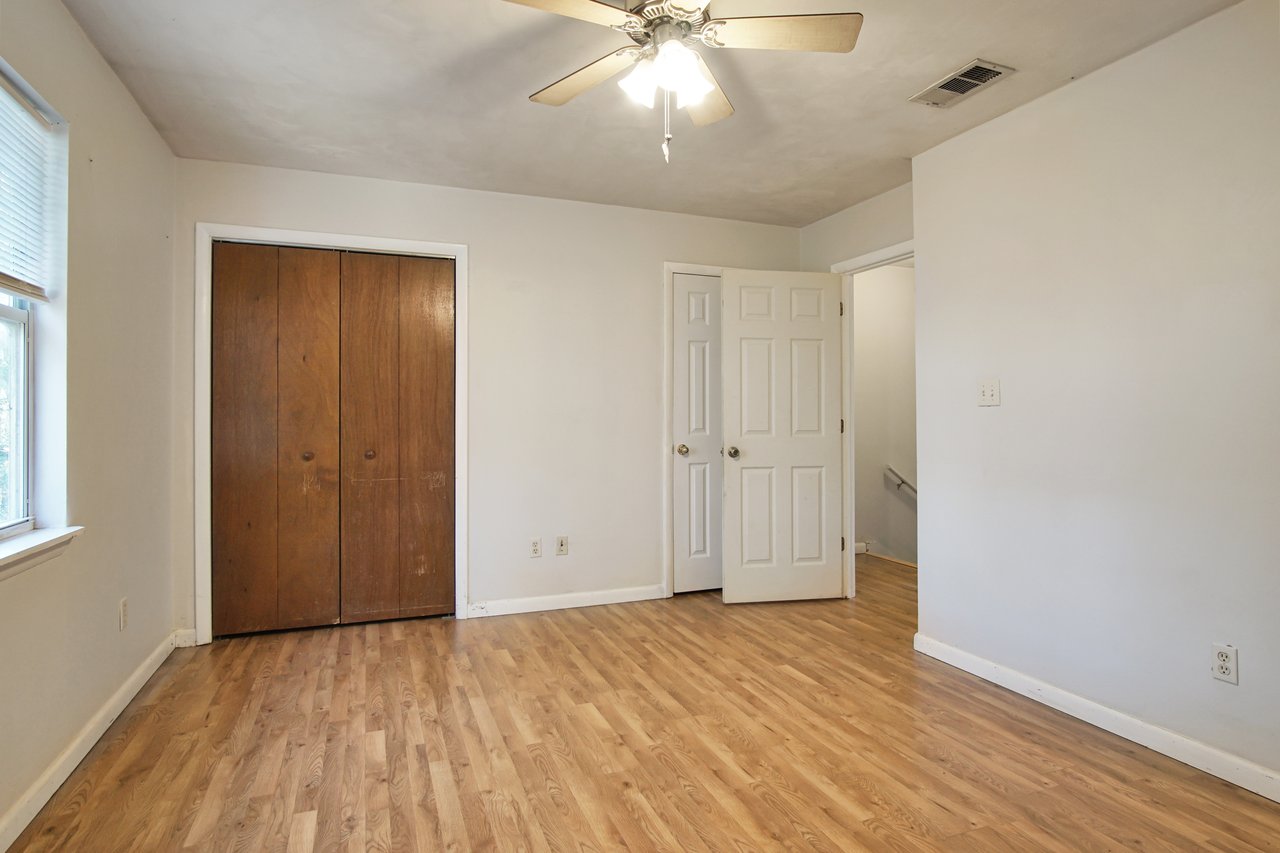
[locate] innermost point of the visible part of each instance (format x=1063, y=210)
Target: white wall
x=565, y=359
x=62, y=654
x=884, y=409
x=1110, y=253
x=876, y=223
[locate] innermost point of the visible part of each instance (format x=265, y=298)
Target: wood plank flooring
x=663, y=725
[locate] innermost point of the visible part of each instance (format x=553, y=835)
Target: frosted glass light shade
x=693, y=91
x=679, y=71
x=641, y=85
x=677, y=68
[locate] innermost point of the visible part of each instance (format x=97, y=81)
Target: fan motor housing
x=688, y=16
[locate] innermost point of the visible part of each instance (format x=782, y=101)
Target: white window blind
x=27, y=157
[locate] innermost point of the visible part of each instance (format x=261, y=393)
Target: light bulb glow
x=641, y=85
x=675, y=64
x=678, y=70
x=692, y=93
x=677, y=67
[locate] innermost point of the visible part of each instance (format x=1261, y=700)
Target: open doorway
x=879, y=366
x=884, y=412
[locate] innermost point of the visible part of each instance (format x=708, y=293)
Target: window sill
x=30, y=549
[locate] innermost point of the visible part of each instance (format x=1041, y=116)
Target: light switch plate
x=989, y=392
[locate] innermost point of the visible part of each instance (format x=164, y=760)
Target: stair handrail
x=901, y=480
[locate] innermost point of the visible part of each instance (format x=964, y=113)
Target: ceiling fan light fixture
x=641, y=85
x=666, y=35
x=677, y=70
x=695, y=89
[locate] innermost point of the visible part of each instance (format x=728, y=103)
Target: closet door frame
x=206, y=234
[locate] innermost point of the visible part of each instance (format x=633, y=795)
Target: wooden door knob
x=369, y=454
x=308, y=456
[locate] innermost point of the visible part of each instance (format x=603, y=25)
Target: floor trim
x=507, y=606
x=893, y=560
x=29, y=804
x=1224, y=765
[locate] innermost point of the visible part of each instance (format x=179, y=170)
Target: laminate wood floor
x=664, y=725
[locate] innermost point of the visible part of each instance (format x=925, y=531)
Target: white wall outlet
x=1226, y=663
x=124, y=614
x=562, y=546
x=535, y=548
x=989, y=392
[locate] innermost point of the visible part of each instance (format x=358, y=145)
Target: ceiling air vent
x=975, y=75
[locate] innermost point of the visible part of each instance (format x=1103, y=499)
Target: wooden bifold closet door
x=333, y=440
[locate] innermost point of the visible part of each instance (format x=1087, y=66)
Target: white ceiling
x=435, y=91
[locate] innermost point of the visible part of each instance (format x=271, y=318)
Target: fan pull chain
x=666, y=112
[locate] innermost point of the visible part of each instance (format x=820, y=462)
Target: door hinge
x=841, y=309
x=841, y=543
x=842, y=426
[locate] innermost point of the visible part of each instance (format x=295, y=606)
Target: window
x=28, y=162
x=32, y=174
x=14, y=407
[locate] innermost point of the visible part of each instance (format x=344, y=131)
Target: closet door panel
x=244, y=438
x=308, y=455
x=370, y=421
x=426, y=436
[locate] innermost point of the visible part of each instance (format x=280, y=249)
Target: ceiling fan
x=662, y=57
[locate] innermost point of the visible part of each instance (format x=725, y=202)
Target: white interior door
x=782, y=483
x=696, y=432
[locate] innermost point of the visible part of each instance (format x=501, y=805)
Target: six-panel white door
x=696, y=432
x=782, y=479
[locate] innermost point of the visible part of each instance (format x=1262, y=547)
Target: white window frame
x=45, y=532
x=25, y=294
x=23, y=315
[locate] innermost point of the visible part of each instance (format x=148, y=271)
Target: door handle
x=734, y=453
x=683, y=449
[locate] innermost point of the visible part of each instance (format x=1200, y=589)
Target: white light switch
x=989, y=392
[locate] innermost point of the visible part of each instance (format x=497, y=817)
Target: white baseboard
x=184, y=638
x=1224, y=765
x=29, y=804
x=507, y=606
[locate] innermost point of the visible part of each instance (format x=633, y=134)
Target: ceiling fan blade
x=586, y=10
x=825, y=33
x=565, y=90
x=714, y=106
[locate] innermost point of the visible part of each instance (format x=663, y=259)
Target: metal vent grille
x=975, y=75
x=959, y=85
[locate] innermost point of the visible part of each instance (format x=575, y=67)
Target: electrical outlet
x=562, y=546
x=989, y=392
x=535, y=548
x=124, y=613
x=1226, y=663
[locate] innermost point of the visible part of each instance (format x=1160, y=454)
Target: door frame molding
x=206, y=234
x=887, y=256
x=669, y=270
